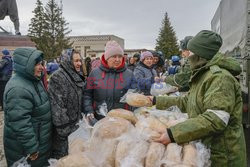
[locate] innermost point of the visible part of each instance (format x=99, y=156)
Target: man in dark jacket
x=109, y=82
x=27, y=114
x=65, y=92
x=5, y=72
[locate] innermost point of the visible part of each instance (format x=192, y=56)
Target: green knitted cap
x=205, y=44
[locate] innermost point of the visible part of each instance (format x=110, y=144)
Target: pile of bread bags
x=124, y=139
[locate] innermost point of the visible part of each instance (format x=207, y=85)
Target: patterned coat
x=214, y=105
x=65, y=92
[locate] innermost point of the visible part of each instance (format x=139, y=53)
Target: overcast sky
x=136, y=21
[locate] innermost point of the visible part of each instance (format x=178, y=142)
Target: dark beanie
x=205, y=44
x=184, y=42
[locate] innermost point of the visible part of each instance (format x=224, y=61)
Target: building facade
x=93, y=46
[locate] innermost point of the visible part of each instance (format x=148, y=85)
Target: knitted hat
x=112, y=48
x=5, y=52
x=145, y=54
x=184, y=42
x=205, y=44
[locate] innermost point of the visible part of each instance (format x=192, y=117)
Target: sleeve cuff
x=170, y=135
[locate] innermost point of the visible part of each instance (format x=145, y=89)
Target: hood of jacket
x=25, y=60
x=226, y=62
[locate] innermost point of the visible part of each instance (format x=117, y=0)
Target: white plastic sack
x=21, y=162
x=83, y=132
x=162, y=88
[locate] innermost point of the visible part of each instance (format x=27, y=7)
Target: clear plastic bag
x=83, y=132
x=124, y=97
x=22, y=162
x=162, y=88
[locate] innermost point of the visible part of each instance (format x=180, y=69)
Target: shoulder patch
x=215, y=69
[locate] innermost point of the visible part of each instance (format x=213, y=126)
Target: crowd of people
x=39, y=116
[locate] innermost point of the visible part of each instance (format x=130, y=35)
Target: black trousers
x=2, y=86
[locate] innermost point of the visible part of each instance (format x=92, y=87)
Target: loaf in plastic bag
x=131, y=150
x=111, y=127
x=122, y=113
x=77, y=145
x=154, y=155
x=190, y=155
x=162, y=88
x=172, y=155
x=102, y=152
x=74, y=160
x=150, y=127
x=136, y=99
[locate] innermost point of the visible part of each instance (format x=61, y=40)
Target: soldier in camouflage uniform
x=182, y=78
x=65, y=92
x=214, y=104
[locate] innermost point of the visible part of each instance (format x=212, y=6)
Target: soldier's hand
x=164, y=139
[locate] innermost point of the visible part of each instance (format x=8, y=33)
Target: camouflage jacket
x=180, y=79
x=214, y=106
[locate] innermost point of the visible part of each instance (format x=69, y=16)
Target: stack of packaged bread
x=124, y=139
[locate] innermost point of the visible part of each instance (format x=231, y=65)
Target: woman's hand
x=33, y=156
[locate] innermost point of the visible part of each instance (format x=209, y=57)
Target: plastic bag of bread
x=102, y=152
x=154, y=155
x=74, y=160
x=111, y=127
x=136, y=99
x=162, y=88
x=131, y=155
x=190, y=155
x=172, y=155
x=77, y=146
x=150, y=127
x=122, y=113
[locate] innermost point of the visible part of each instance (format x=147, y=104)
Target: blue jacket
x=6, y=68
x=144, y=77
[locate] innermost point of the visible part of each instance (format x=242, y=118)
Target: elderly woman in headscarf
x=108, y=83
x=65, y=92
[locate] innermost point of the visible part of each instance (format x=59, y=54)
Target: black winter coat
x=107, y=85
x=65, y=92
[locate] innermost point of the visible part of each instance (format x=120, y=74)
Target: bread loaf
x=122, y=113
x=154, y=155
x=111, y=127
x=138, y=100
